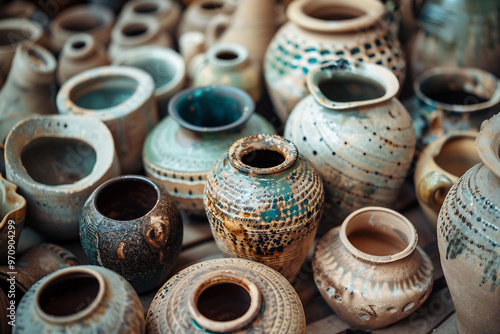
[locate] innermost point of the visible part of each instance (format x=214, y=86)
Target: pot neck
x=33, y=66
x=80, y=46
x=227, y=57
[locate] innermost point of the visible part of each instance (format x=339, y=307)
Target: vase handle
x=432, y=189
x=213, y=32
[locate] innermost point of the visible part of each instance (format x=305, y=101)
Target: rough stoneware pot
x=468, y=233
x=184, y=147
x=370, y=270
x=141, y=226
x=80, y=52
x=440, y=165
x=323, y=30
x=358, y=136
x=83, y=299
x=120, y=96
x=57, y=161
x=226, y=295
x=165, y=65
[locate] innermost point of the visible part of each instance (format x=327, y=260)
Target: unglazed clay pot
x=83, y=299
x=226, y=295
x=203, y=123
x=322, y=30
x=57, y=161
x=370, y=270
x=264, y=202
x=358, y=136
x=141, y=226
x=468, y=232
x=440, y=165
x=120, y=96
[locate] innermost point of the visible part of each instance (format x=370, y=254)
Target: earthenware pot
x=468, y=237
x=226, y=295
x=120, y=96
x=370, y=270
x=203, y=123
x=357, y=135
x=142, y=228
x=440, y=165
x=323, y=30
x=57, y=161
x=83, y=299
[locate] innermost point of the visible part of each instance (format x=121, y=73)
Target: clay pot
x=83, y=299
x=122, y=97
x=357, y=135
x=184, y=147
x=143, y=237
x=468, y=237
x=57, y=161
x=370, y=270
x=226, y=295
x=323, y=30
x=439, y=166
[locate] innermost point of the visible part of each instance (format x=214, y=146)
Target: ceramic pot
x=143, y=237
x=120, y=96
x=184, y=147
x=393, y=276
x=80, y=52
x=323, y=30
x=468, y=237
x=57, y=161
x=165, y=65
x=226, y=295
x=440, y=165
x=358, y=136
x=83, y=299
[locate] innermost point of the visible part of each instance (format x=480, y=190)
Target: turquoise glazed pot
x=264, y=202
x=132, y=226
x=202, y=125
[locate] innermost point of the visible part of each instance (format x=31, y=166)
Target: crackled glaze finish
x=264, y=209
x=370, y=270
x=86, y=299
x=280, y=312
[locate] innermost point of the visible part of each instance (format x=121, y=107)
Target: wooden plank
x=448, y=327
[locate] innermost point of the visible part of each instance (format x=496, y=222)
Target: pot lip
x=89, y=45
x=152, y=30
x=5, y=187
x=227, y=64
x=163, y=6
x=488, y=144
x=34, y=29
x=103, y=13
x=198, y=7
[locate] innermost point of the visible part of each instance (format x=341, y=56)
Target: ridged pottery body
x=469, y=238
x=132, y=226
x=370, y=270
x=324, y=30
x=264, y=203
x=246, y=297
x=360, y=141
x=83, y=299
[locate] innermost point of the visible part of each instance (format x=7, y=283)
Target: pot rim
x=89, y=45
x=33, y=28
x=104, y=15
x=239, y=50
x=6, y=187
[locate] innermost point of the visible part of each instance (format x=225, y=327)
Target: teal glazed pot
x=203, y=123
x=132, y=226
x=264, y=202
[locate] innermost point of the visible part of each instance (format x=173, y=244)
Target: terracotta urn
x=57, y=161
x=120, y=96
x=83, y=299
x=203, y=123
x=226, y=295
x=469, y=238
x=141, y=226
x=357, y=135
x=370, y=270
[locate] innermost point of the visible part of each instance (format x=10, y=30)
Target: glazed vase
x=324, y=30
x=203, y=123
x=83, y=299
x=57, y=161
x=120, y=96
x=226, y=295
x=468, y=237
x=357, y=135
x=370, y=270
x=440, y=165
x=141, y=226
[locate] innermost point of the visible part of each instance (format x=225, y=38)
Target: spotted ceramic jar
x=264, y=202
x=226, y=295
